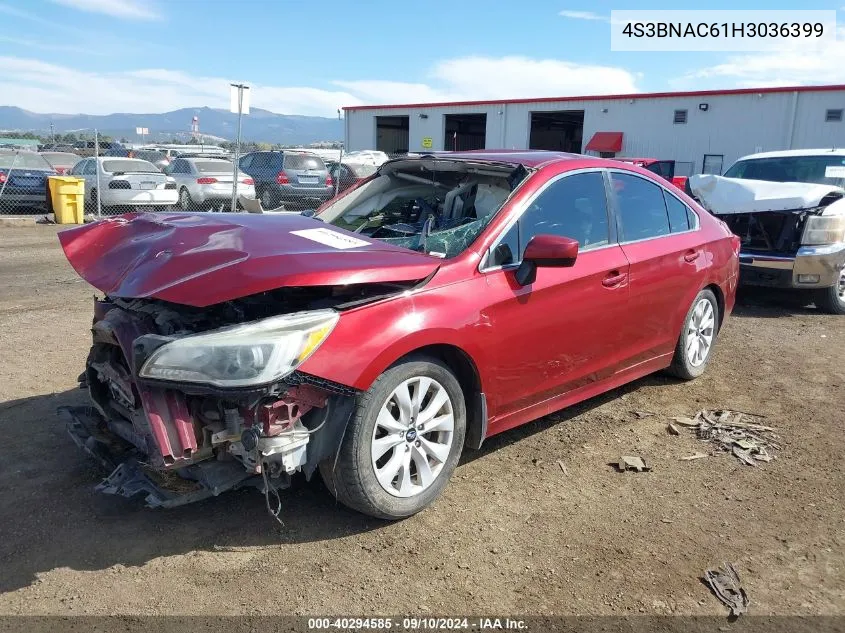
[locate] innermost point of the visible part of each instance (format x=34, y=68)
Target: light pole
x=237, y=104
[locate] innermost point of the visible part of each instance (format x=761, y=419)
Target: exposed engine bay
x=435, y=206
x=175, y=442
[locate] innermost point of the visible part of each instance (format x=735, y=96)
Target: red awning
x=605, y=142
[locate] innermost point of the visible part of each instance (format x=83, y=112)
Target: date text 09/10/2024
x=417, y=624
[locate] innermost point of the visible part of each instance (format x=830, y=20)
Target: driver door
x=566, y=330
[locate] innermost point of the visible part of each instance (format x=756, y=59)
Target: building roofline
x=636, y=95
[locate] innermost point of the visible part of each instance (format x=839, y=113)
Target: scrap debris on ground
x=725, y=584
x=631, y=462
x=729, y=432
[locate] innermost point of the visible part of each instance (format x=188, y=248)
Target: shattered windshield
x=438, y=207
x=822, y=170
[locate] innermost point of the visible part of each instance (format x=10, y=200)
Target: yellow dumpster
x=67, y=195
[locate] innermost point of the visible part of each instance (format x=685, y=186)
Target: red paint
x=634, y=95
x=207, y=258
x=605, y=142
x=577, y=331
x=170, y=422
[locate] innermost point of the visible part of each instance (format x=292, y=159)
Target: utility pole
x=52, y=136
x=237, y=104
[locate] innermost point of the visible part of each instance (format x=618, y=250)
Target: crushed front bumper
x=810, y=267
x=130, y=476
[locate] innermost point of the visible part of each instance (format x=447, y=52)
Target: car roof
x=526, y=157
x=796, y=152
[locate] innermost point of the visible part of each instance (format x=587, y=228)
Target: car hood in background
x=207, y=258
x=726, y=196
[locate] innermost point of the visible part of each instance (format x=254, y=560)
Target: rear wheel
x=402, y=444
x=186, y=203
x=698, y=336
x=267, y=200
x=832, y=300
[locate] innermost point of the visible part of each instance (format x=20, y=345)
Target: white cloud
x=125, y=9
x=584, y=15
x=35, y=85
x=797, y=63
x=49, y=46
x=478, y=78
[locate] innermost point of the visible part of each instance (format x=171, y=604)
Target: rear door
x=565, y=330
x=659, y=235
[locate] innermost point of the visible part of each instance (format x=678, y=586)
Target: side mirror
x=552, y=251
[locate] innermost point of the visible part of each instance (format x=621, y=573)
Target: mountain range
x=259, y=125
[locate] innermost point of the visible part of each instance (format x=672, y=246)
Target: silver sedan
x=206, y=183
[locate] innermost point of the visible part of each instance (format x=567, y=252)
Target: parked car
x=207, y=182
x=348, y=175
x=444, y=301
x=157, y=158
x=287, y=178
x=789, y=210
x=663, y=168
x=23, y=180
x=62, y=162
x=87, y=148
x=125, y=183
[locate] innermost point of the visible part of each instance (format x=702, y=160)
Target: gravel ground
x=512, y=534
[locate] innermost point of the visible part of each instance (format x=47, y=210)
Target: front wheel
x=832, y=300
x=698, y=336
x=403, y=442
x=186, y=203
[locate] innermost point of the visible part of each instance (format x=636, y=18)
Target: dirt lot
x=513, y=533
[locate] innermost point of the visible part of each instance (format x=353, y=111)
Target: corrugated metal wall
x=733, y=125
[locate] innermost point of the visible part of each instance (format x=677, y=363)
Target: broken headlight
x=823, y=229
x=242, y=355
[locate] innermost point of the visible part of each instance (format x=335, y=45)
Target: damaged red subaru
x=443, y=300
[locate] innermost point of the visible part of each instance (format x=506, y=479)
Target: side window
x=90, y=168
x=641, y=208
x=692, y=218
x=77, y=169
x=573, y=206
x=678, y=218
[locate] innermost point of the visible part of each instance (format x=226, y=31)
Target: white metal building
x=706, y=129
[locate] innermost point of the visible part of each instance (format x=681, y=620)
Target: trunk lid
x=208, y=258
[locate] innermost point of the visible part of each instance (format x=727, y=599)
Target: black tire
x=832, y=300
x=352, y=479
x=681, y=366
x=268, y=199
x=186, y=203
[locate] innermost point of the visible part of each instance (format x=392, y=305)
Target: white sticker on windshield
x=331, y=238
x=834, y=171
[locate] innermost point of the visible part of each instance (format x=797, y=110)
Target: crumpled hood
x=202, y=259
x=725, y=196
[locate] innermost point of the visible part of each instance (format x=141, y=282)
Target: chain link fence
x=118, y=178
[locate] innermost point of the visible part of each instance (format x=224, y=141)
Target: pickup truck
x=788, y=208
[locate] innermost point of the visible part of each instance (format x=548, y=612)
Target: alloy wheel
x=841, y=287
x=700, y=331
x=185, y=200
x=412, y=437
x=266, y=200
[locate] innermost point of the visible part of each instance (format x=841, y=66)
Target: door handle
x=614, y=279
x=691, y=256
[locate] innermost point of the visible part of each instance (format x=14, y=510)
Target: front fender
x=367, y=340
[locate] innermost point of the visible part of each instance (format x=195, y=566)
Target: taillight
x=248, y=181
x=206, y=181
x=282, y=178
x=2, y=177
x=329, y=181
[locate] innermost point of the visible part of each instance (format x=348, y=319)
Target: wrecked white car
x=789, y=209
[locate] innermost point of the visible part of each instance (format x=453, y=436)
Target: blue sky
x=102, y=56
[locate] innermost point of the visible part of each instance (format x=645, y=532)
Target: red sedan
x=442, y=301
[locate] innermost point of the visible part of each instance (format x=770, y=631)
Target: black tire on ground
x=185, y=201
x=352, y=479
x=681, y=366
x=830, y=300
x=268, y=200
